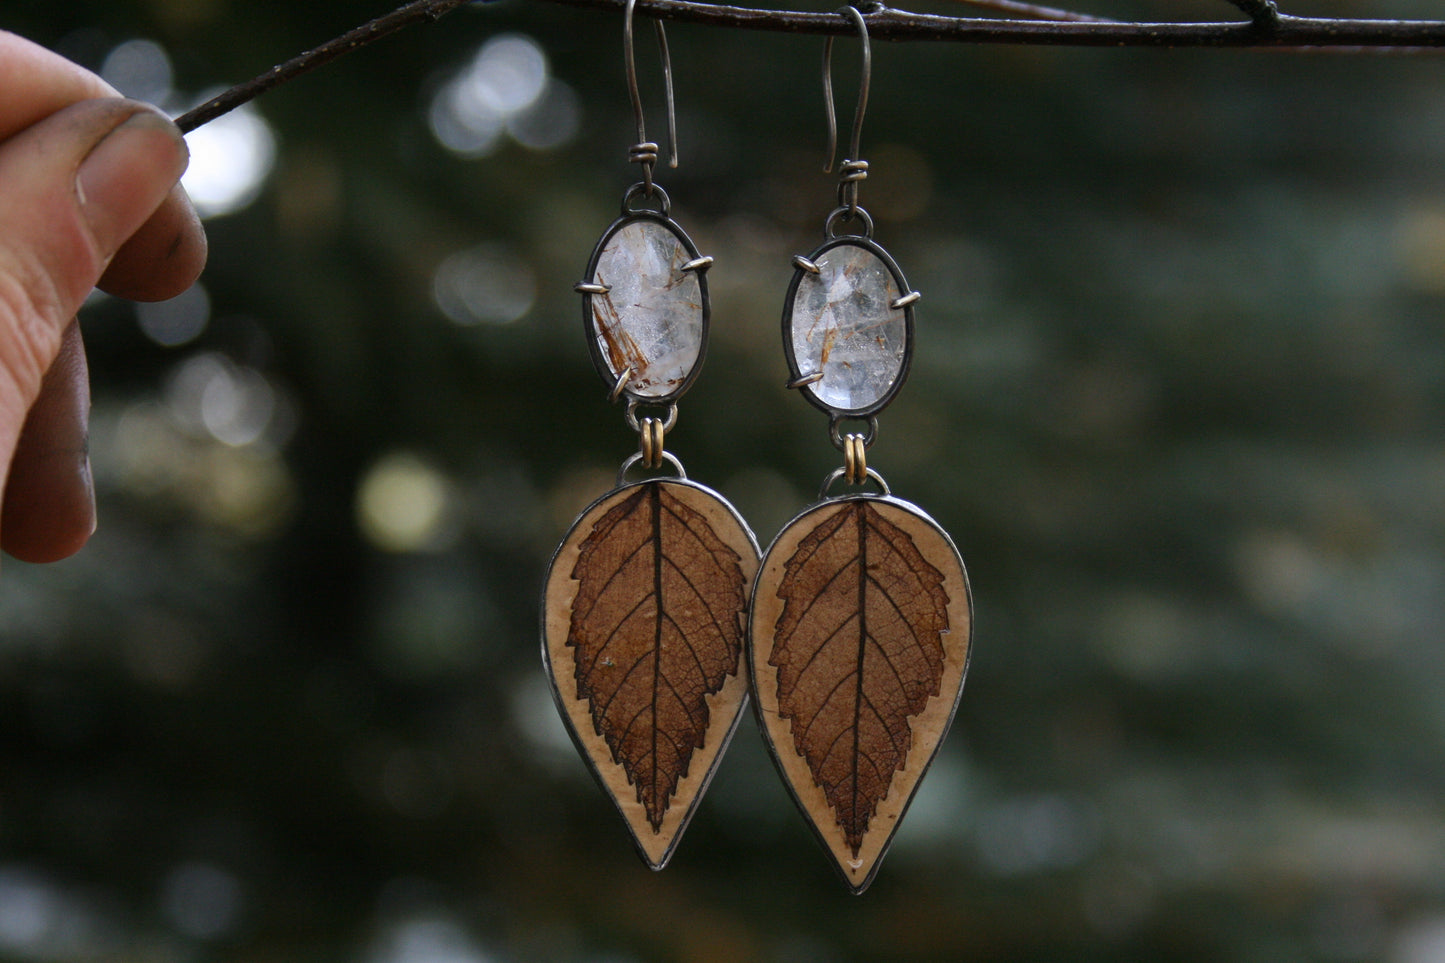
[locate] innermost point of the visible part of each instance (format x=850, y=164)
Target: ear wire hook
x=644, y=152
x=853, y=169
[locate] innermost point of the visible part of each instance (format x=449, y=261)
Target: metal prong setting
x=588, y=287
x=805, y=380
x=905, y=300
x=697, y=264
x=801, y=262
x=621, y=384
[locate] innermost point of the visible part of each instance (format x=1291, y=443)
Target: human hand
x=89, y=195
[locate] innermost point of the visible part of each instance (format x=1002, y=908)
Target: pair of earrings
x=851, y=632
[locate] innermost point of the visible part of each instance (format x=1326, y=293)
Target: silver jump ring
x=667, y=456
x=838, y=473
x=835, y=432
x=635, y=423
x=847, y=213
x=648, y=190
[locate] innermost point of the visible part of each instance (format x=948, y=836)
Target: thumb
x=78, y=184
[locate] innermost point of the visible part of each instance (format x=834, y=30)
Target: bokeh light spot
x=231, y=157
x=209, y=394
x=551, y=122
x=1420, y=247
x=504, y=89
x=401, y=504
x=1420, y=942
x=29, y=908
x=508, y=74
x=139, y=69
x=427, y=939
x=534, y=716
x=461, y=125
x=177, y=321
x=484, y=284
x=202, y=900
x=163, y=452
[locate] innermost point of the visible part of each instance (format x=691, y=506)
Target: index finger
x=38, y=82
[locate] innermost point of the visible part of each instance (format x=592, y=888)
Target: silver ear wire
x=644, y=152
x=863, y=84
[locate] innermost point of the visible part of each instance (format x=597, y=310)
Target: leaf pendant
x=643, y=631
x=861, y=617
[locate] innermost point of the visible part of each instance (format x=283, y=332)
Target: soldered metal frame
x=942, y=708
x=697, y=263
x=805, y=265
x=655, y=849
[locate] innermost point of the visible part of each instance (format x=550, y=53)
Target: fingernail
x=125, y=177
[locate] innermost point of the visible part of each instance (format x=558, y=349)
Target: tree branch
x=1264, y=13
x=888, y=24
x=1030, y=11
x=1267, y=27
x=404, y=16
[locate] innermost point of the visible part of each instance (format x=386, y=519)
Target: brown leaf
x=656, y=629
x=859, y=651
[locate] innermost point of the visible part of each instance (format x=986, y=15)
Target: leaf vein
x=802, y=670
x=808, y=726
x=690, y=650
x=606, y=583
x=909, y=628
x=622, y=684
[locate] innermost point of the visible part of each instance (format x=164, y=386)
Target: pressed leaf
x=655, y=613
x=858, y=632
x=858, y=652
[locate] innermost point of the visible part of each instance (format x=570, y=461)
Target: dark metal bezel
x=751, y=657
x=599, y=360
x=559, y=700
x=877, y=250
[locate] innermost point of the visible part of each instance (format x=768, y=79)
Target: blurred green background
x=1179, y=397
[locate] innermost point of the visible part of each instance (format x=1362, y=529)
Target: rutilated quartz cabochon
x=841, y=327
x=651, y=322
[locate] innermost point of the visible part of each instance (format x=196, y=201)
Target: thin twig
x=1264, y=13
x=414, y=12
x=1032, y=11
x=1266, y=28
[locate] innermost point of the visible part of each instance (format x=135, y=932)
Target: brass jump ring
x=652, y=433
x=855, y=459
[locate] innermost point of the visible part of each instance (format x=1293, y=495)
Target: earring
x=861, y=612
x=645, y=603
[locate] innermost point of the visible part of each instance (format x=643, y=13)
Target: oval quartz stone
x=843, y=325
x=651, y=319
